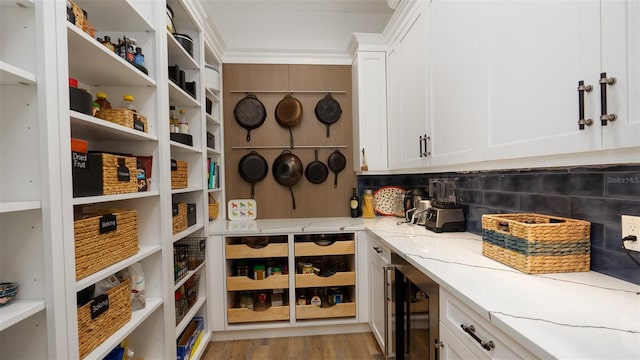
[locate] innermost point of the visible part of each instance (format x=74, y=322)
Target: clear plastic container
x=127, y=103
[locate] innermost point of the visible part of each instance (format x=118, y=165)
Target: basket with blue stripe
x=537, y=244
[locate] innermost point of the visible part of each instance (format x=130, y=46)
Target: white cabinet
x=379, y=293
x=464, y=332
x=370, y=109
x=407, y=92
x=458, y=79
x=620, y=54
x=537, y=53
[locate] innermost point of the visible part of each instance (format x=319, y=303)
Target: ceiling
x=293, y=26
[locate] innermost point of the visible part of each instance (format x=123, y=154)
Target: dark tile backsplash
x=598, y=194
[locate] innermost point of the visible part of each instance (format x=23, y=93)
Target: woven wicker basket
x=537, y=244
x=179, y=179
x=214, y=209
x=93, y=332
x=179, y=217
x=96, y=251
x=124, y=117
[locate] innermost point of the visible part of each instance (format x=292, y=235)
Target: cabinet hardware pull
x=421, y=152
x=426, y=151
x=581, y=120
x=604, y=116
x=471, y=330
x=377, y=249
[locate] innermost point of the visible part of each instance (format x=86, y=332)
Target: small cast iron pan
x=328, y=111
x=253, y=168
x=250, y=113
x=316, y=171
x=337, y=163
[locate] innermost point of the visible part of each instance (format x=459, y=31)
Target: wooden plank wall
x=274, y=200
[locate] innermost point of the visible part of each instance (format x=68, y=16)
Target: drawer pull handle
x=377, y=249
x=471, y=330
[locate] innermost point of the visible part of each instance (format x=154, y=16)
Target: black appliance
x=414, y=304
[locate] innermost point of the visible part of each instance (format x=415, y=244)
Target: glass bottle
x=101, y=99
x=182, y=123
x=107, y=42
x=367, y=207
x=355, y=204
x=173, y=119
x=315, y=298
x=127, y=103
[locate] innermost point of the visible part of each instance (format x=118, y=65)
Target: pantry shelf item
x=242, y=209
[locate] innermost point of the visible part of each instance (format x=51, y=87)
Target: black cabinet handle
x=471, y=330
x=604, y=116
x=377, y=249
x=581, y=120
x=421, y=141
x=426, y=145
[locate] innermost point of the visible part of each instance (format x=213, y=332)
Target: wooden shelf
x=338, y=279
x=13, y=206
x=180, y=98
x=190, y=314
x=91, y=128
x=106, y=198
x=243, y=315
x=420, y=306
x=178, y=55
x=116, y=15
x=316, y=312
x=242, y=251
x=337, y=248
x=240, y=283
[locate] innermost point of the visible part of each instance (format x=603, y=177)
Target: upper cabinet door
x=620, y=59
x=407, y=93
x=458, y=73
x=537, y=52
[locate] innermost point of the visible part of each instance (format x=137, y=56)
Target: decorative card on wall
x=242, y=209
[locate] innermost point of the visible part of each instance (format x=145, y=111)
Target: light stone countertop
x=584, y=315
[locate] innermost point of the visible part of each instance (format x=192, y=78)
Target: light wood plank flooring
x=319, y=347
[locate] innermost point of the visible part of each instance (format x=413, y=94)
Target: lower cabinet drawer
x=316, y=312
x=491, y=343
x=244, y=315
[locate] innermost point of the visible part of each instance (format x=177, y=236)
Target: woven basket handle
x=504, y=226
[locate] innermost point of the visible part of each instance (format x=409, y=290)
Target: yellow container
x=367, y=205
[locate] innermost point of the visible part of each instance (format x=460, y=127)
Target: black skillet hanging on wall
x=250, y=113
x=328, y=111
x=253, y=168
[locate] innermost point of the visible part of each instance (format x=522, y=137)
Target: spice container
x=127, y=103
x=302, y=299
x=307, y=268
x=183, y=125
x=258, y=272
x=334, y=296
x=316, y=299
x=242, y=269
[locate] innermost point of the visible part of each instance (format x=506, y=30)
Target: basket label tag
x=175, y=210
x=108, y=223
x=79, y=161
x=123, y=171
x=138, y=124
x=99, y=305
x=174, y=165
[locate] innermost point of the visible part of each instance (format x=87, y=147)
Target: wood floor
x=319, y=347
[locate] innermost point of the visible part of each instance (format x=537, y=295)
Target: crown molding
x=285, y=56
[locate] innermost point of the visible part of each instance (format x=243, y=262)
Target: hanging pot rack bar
x=289, y=91
x=289, y=147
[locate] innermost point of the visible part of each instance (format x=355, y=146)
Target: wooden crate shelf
x=346, y=278
x=242, y=251
x=337, y=248
x=239, y=283
x=316, y=312
x=244, y=315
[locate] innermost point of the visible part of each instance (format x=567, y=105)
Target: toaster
x=445, y=219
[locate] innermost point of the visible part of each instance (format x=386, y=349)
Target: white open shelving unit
x=37, y=204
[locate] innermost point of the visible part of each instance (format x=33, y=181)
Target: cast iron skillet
x=287, y=170
x=316, y=171
x=289, y=113
x=336, y=162
x=250, y=113
x=253, y=168
x=328, y=111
